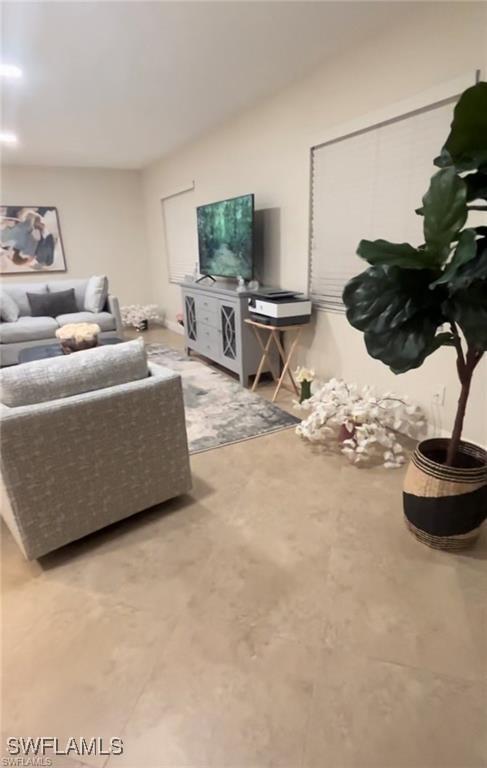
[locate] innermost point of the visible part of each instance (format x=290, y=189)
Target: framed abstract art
x=30, y=240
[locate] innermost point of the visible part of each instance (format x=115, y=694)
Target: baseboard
x=175, y=327
x=447, y=434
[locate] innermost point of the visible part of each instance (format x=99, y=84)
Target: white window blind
x=367, y=185
x=180, y=233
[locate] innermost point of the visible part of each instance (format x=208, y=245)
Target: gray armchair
x=72, y=465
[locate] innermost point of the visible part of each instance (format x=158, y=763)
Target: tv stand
x=204, y=277
x=215, y=327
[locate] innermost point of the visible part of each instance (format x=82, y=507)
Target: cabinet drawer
x=207, y=310
x=209, y=341
x=207, y=317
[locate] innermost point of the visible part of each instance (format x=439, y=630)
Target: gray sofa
x=30, y=331
x=76, y=458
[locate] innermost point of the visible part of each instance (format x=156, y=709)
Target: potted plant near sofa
x=413, y=300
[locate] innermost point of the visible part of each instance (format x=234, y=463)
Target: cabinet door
x=190, y=312
x=228, y=327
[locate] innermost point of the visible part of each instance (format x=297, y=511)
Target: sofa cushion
x=73, y=374
x=64, y=285
x=105, y=320
x=28, y=329
x=96, y=293
x=9, y=310
x=18, y=292
x=52, y=304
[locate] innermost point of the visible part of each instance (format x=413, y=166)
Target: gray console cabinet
x=214, y=327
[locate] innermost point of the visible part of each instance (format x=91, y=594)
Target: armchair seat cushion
x=105, y=320
x=28, y=329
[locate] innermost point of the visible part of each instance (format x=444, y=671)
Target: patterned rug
x=218, y=410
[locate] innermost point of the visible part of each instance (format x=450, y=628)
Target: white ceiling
x=118, y=84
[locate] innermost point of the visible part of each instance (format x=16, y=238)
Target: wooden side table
x=274, y=337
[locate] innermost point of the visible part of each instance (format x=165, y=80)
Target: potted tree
x=413, y=300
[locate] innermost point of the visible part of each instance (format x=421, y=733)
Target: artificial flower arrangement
x=304, y=377
x=77, y=336
x=365, y=425
x=138, y=315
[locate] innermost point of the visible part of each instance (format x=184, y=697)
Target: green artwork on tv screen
x=225, y=233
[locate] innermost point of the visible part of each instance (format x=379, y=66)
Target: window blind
x=180, y=233
x=367, y=185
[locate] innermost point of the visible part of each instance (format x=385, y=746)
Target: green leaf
x=444, y=159
x=473, y=270
x=466, y=145
x=384, y=297
x=464, y=252
x=397, y=312
x=393, y=254
x=476, y=186
x=410, y=346
x=444, y=339
x=445, y=212
x=404, y=348
x=469, y=309
x=482, y=231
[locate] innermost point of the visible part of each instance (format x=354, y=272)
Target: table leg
x=283, y=358
x=265, y=355
x=287, y=362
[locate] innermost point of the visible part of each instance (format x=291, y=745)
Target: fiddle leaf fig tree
x=414, y=299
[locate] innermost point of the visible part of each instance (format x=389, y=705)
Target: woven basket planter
x=444, y=506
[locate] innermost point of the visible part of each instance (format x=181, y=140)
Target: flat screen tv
x=225, y=237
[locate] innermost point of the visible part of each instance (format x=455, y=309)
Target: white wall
x=266, y=151
x=102, y=222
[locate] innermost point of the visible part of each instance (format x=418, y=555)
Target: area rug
x=218, y=410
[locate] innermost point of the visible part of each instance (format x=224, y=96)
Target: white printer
x=275, y=306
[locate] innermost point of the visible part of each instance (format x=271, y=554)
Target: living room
x=272, y=608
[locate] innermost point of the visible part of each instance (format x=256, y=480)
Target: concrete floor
x=279, y=616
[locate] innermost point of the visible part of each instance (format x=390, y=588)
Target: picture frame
x=30, y=240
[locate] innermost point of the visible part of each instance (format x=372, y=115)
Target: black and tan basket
x=445, y=506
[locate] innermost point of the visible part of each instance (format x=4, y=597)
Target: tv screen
x=225, y=237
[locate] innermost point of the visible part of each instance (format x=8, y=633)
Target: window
x=180, y=235
x=367, y=185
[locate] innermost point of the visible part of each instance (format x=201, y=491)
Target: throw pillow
x=96, y=293
x=52, y=304
x=9, y=310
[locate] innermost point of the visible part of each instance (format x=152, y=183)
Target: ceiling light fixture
x=10, y=71
x=6, y=137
